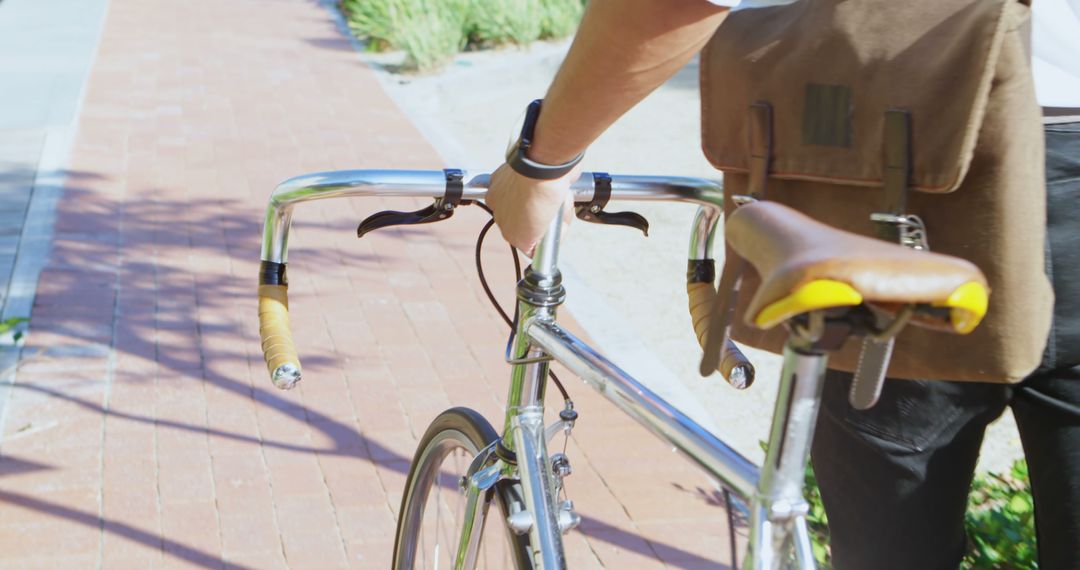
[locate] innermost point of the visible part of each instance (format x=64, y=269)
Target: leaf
x=11, y=323
x=1000, y=522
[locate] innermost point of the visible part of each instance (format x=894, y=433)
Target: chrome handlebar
x=278, y=348
x=432, y=184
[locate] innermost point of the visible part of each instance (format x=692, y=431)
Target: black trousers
x=895, y=478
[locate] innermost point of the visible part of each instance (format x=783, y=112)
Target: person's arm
x=623, y=50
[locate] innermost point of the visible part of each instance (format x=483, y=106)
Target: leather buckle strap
x=896, y=175
x=895, y=225
x=760, y=144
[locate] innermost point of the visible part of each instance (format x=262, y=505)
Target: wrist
x=543, y=163
x=545, y=149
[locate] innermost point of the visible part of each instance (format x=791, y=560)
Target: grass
x=1000, y=522
x=430, y=32
x=12, y=324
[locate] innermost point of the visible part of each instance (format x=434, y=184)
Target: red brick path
x=145, y=433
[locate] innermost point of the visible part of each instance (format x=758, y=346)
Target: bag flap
x=830, y=69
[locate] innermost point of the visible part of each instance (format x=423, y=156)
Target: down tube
x=650, y=410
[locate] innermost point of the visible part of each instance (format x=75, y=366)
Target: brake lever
x=628, y=219
x=593, y=211
x=442, y=209
x=432, y=213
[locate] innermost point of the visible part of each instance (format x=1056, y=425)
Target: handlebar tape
x=278, y=348
x=734, y=365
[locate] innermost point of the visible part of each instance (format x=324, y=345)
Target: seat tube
x=780, y=506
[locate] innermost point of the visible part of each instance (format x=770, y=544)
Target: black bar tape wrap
x=701, y=271
x=272, y=273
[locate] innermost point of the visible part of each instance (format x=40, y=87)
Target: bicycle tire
x=455, y=429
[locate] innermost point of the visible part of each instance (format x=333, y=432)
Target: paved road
x=140, y=429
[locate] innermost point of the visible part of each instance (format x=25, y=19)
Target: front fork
x=522, y=452
x=541, y=479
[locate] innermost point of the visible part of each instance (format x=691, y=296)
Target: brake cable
x=512, y=323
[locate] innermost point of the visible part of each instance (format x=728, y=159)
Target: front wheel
x=433, y=505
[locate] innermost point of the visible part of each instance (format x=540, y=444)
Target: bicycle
x=803, y=289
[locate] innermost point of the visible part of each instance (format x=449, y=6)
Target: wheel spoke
x=434, y=486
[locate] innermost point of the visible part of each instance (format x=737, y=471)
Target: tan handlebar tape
x=702, y=301
x=277, y=343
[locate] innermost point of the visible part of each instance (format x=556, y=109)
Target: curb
x=35, y=241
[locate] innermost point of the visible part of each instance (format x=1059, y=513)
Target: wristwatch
x=522, y=164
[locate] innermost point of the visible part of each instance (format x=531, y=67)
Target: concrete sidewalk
x=46, y=48
x=141, y=430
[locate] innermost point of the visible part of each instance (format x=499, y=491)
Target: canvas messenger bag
x=848, y=109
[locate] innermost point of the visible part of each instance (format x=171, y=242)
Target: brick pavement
x=142, y=431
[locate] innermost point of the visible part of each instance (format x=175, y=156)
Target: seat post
x=778, y=518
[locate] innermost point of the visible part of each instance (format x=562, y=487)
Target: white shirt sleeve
x=728, y=3
x=1056, y=57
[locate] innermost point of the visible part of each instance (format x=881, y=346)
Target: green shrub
x=1000, y=522
x=816, y=521
x=497, y=22
x=12, y=324
x=560, y=17
x=372, y=21
x=430, y=32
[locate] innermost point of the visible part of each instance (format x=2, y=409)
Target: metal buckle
x=910, y=229
x=869, y=378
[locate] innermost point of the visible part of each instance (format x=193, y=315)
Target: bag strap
x=760, y=144
x=893, y=224
x=896, y=177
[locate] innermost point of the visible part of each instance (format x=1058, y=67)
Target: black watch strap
x=527, y=167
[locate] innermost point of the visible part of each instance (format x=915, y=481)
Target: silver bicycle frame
x=774, y=492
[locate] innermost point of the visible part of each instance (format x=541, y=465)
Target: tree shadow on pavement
x=168, y=285
x=174, y=548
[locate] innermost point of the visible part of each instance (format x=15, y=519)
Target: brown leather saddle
x=805, y=265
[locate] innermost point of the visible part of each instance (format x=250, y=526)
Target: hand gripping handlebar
x=279, y=350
